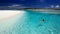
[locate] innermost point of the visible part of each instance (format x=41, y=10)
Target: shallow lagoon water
x=32, y=23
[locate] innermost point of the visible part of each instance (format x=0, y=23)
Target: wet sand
x=7, y=14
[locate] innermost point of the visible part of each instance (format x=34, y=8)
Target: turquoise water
x=34, y=23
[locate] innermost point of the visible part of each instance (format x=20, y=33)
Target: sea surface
x=31, y=22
